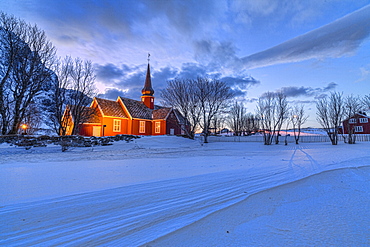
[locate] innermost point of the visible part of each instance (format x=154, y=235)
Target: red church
x=128, y=116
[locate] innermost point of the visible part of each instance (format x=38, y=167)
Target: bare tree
x=298, y=118
x=32, y=118
x=352, y=106
x=82, y=89
x=213, y=96
x=63, y=69
x=272, y=110
x=251, y=124
x=181, y=95
x=330, y=113
x=281, y=113
x=366, y=102
x=266, y=111
x=237, y=118
x=9, y=42
x=218, y=122
x=28, y=56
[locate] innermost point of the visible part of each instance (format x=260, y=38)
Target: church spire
x=147, y=91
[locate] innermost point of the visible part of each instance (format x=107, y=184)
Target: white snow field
x=171, y=191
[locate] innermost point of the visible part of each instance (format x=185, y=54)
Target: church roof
x=161, y=113
x=88, y=114
x=136, y=108
x=111, y=108
x=180, y=117
x=91, y=115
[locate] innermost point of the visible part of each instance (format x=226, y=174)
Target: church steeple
x=147, y=91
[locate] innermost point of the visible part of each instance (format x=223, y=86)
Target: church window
x=142, y=127
x=157, y=127
x=116, y=125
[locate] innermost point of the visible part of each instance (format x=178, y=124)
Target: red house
x=128, y=116
x=357, y=124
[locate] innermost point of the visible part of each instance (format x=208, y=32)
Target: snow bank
x=133, y=193
x=328, y=209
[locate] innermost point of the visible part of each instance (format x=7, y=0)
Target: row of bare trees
x=332, y=110
x=240, y=121
x=205, y=103
x=199, y=101
x=28, y=68
x=274, y=111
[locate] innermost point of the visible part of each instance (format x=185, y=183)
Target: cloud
x=294, y=92
x=365, y=72
x=272, y=12
x=104, y=30
x=112, y=93
x=330, y=86
x=297, y=91
x=246, y=11
x=302, y=101
x=216, y=55
x=339, y=38
x=110, y=71
x=209, y=32
x=130, y=79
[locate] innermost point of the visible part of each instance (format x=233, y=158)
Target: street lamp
x=24, y=127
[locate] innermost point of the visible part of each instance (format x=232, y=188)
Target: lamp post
x=24, y=127
x=295, y=122
x=286, y=131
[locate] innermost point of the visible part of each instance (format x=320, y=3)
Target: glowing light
x=24, y=126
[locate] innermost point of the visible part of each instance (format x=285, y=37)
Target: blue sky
x=304, y=48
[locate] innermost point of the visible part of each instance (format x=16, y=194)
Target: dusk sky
x=304, y=48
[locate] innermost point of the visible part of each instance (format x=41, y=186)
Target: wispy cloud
x=294, y=92
x=365, y=73
x=216, y=55
x=339, y=38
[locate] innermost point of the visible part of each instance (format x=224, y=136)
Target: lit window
x=359, y=129
x=352, y=120
x=116, y=125
x=363, y=120
x=142, y=127
x=157, y=127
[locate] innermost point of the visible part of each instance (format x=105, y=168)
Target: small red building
x=128, y=116
x=357, y=124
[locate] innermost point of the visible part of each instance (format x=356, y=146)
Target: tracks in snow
x=130, y=215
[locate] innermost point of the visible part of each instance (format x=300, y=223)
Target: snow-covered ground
x=171, y=191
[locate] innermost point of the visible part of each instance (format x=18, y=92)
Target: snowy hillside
x=216, y=194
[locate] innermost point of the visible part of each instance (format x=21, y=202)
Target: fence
x=290, y=139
